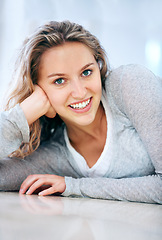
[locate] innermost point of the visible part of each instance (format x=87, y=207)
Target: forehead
x=66, y=52
x=71, y=45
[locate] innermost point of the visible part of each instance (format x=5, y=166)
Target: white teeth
x=80, y=105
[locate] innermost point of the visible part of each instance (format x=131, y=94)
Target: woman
x=99, y=131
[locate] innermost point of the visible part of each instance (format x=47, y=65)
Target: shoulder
x=128, y=82
x=131, y=71
x=132, y=76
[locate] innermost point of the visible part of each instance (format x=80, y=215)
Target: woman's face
x=70, y=76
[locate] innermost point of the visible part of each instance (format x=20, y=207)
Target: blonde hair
x=45, y=37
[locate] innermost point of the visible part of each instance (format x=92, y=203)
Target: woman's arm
x=14, y=130
x=14, y=124
x=37, y=105
x=141, y=97
x=146, y=189
x=50, y=158
x=140, y=189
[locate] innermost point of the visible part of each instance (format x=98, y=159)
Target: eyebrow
x=62, y=74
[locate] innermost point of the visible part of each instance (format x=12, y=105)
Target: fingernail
x=28, y=192
x=21, y=191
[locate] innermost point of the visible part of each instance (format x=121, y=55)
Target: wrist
x=34, y=108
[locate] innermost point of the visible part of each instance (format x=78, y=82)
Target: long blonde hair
x=45, y=37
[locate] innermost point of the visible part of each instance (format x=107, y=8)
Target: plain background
x=129, y=30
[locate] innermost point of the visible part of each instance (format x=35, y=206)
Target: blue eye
x=87, y=72
x=59, y=81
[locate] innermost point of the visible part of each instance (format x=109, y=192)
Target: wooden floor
x=50, y=218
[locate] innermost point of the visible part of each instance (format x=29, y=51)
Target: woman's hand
x=37, y=105
x=51, y=183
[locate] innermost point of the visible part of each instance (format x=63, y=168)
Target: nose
x=78, y=88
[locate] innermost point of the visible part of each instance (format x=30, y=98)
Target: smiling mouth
x=81, y=105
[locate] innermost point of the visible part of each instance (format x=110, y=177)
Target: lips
x=82, y=106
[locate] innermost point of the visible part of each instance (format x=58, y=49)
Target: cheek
x=56, y=98
x=97, y=86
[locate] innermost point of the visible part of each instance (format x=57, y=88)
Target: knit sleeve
x=141, y=93
x=138, y=93
x=14, y=130
x=146, y=189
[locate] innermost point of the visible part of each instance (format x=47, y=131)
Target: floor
x=31, y=217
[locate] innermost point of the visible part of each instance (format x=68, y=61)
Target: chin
x=85, y=122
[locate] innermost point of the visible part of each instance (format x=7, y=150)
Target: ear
x=99, y=64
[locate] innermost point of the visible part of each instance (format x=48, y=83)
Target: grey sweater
x=135, y=171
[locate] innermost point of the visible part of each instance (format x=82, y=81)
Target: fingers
x=52, y=183
x=37, y=184
x=48, y=191
x=51, y=113
x=28, y=182
x=36, y=105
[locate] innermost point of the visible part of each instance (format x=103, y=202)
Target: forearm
x=14, y=124
x=14, y=130
x=146, y=189
x=14, y=171
x=43, y=161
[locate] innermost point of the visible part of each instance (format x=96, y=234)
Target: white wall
x=129, y=30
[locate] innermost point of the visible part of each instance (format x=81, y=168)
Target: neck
x=94, y=130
